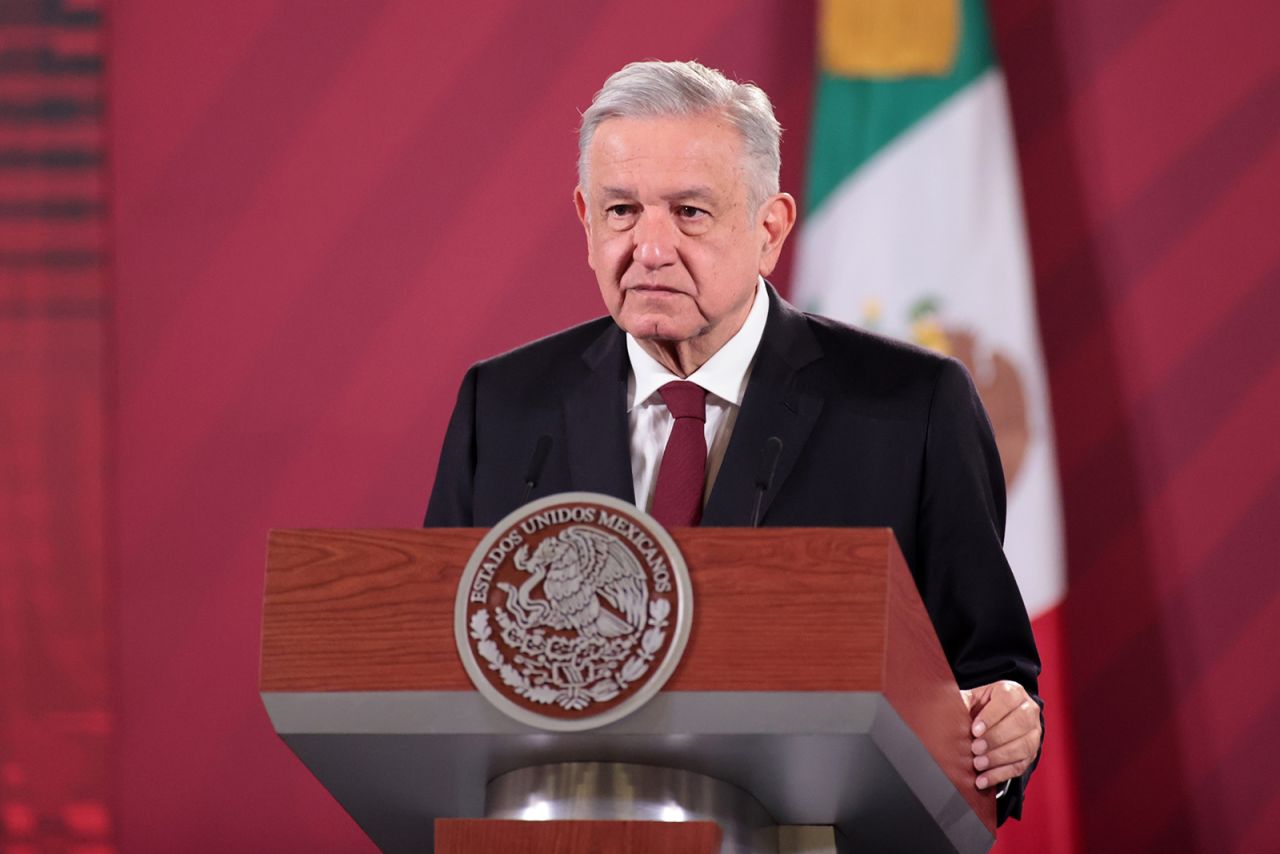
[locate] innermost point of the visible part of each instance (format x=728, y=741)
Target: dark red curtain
x=56, y=724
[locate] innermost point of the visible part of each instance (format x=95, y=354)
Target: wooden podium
x=812, y=680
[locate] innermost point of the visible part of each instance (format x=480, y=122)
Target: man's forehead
x=693, y=138
x=677, y=156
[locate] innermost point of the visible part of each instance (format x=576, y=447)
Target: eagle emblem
x=590, y=582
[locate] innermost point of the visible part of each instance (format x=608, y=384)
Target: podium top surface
x=775, y=609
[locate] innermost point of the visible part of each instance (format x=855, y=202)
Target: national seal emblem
x=573, y=611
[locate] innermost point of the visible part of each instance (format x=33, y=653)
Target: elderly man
x=701, y=370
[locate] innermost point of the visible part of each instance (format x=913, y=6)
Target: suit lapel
x=595, y=413
x=775, y=405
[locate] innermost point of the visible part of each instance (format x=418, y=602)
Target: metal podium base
x=617, y=791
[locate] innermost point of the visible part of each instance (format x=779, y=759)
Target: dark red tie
x=677, y=500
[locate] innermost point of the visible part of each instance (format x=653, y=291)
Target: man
x=678, y=195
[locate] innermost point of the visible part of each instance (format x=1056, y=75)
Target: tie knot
x=685, y=399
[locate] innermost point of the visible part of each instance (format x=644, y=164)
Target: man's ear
x=584, y=216
x=778, y=215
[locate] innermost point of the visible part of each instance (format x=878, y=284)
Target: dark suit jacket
x=874, y=433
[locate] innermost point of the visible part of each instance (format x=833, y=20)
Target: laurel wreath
x=574, y=697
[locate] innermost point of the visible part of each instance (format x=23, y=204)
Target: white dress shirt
x=724, y=376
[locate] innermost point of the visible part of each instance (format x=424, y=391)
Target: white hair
x=659, y=89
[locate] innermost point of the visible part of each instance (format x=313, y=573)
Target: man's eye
x=620, y=210
x=690, y=212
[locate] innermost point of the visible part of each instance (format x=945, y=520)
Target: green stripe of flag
x=853, y=118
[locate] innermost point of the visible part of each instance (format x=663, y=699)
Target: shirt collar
x=724, y=374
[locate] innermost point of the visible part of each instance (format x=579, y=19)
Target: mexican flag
x=915, y=229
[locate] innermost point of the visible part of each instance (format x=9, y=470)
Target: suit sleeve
x=451, y=497
x=965, y=581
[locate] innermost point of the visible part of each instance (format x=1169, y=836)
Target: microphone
x=764, y=475
x=536, y=462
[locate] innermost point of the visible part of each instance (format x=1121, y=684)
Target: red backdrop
x=323, y=218
x=324, y=211
x=1148, y=138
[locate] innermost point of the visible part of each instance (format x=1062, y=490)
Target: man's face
x=669, y=234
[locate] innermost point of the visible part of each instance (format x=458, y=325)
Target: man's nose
x=655, y=237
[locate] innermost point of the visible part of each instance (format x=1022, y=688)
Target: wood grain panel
x=777, y=609
x=485, y=836
x=363, y=610
x=784, y=609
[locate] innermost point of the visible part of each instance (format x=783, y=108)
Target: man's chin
x=659, y=331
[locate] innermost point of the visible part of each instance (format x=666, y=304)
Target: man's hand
x=1006, y=731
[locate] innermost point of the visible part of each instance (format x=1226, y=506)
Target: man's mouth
x=650, y=288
